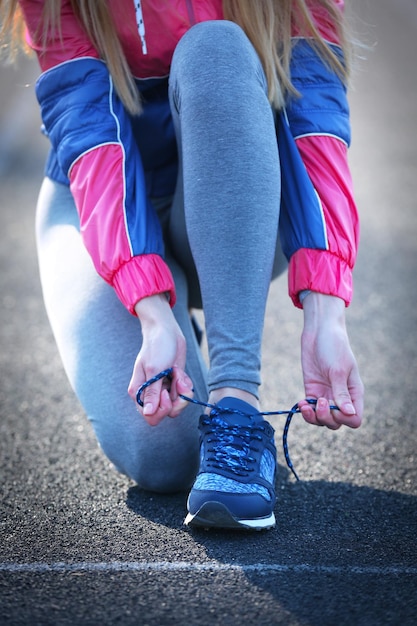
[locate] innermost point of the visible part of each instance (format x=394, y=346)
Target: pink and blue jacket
x=114, y=163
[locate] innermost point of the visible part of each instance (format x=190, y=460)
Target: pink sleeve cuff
x=321, y=271
x=143, y=276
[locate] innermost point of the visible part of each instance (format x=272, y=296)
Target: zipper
x=190, y=11
x=141, y=25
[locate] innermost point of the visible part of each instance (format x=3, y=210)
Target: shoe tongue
x=250, y=413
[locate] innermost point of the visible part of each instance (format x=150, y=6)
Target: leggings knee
x=217, y=49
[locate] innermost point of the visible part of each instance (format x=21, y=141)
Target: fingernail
x=349, y=408
x=322, y=403
x=148, y=409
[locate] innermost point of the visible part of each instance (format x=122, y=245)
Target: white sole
x=217, y=515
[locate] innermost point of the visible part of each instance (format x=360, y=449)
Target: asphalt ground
x=82, y=545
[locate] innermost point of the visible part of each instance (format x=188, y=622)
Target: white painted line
x=185, y=566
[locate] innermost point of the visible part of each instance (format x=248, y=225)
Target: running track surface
x=82, y=545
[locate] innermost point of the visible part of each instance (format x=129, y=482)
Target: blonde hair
x=267, y=23
x=270, y=21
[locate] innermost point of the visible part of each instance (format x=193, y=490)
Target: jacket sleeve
x=328, y=270
x=91, y=135
x=319, y=220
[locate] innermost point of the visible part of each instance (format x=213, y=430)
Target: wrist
x=153, y=309
x=320, y=308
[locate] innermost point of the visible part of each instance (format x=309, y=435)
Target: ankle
x=232, y=392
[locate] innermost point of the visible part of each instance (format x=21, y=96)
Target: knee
x=214, y=52
x=220, y=31
x=215, y=44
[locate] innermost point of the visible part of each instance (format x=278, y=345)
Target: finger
x=352, y=421
x=358, y=402
x=134, y=384
x=344, y=401
x=308, y=412
x=163, y=410
x=177, y=407
x=151, y=398
x=326, y=416
x=184, y=385
x=350, y=405
x=185, y=391
x=181, y=385
x=357, y=392
x=318, y=414
x=173, y=383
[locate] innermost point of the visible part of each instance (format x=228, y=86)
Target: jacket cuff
x=321, y=271
x=143, y=276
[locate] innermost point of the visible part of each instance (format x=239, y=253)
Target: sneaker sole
x=217, y=515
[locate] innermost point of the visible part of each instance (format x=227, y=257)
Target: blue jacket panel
x=301, y=223
x=80, y=112
x=323, y=106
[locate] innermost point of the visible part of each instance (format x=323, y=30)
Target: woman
x=186, y=139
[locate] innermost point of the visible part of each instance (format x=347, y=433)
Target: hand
x=163, y=347
x=330, y=370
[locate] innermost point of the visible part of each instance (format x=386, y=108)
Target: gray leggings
x=221, y=236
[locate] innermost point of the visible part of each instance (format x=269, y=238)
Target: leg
x=231, y=176
x=98, y=341
x=231, y=181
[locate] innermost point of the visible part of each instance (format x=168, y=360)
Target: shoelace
x=289, y=413
x=239, y=440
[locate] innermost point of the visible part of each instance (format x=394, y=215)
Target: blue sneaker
x=235, y=484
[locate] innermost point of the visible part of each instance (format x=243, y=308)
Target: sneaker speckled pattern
x=235, y=484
